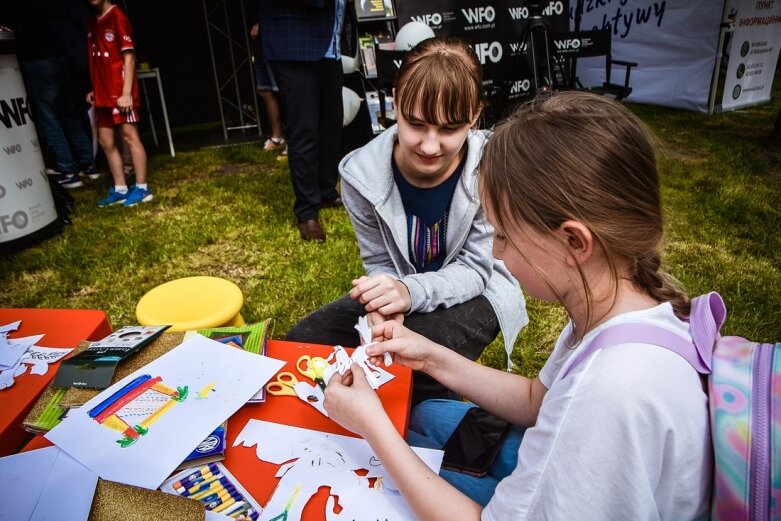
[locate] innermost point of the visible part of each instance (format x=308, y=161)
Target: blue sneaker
x=137, y=195
x=70, y=181
x=113, y=197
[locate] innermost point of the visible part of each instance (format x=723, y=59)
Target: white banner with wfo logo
x=674, y=43
x=26, y=203
x=753, y=53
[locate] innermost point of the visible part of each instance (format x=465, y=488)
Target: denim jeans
x=431, y=424
x=465, y=328
x=61, y=128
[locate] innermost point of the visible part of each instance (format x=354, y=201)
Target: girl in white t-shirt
x=570, y=186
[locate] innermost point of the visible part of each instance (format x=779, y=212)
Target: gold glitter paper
x=115, y=501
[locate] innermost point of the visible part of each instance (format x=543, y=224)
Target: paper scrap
x=45, y=484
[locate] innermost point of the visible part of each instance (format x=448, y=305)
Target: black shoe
x=311, y=230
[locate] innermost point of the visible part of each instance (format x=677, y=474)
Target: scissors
x=314, y=368
x=286, y=384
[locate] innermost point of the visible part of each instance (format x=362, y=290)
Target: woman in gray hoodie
x=411, y=194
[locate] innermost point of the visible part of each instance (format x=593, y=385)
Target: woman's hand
x=382, y=293
x=351, y=402
x=91, y=97
x=407, y=347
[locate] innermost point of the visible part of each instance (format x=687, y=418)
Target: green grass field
x=227, y=212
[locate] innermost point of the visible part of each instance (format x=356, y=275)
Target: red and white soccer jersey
x=107, y=37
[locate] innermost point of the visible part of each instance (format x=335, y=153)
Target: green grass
x=227, y=212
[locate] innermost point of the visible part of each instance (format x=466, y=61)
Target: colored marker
x=198, y=473
x=240, y=512
x=217, y=500
x=197, y=489
x=190, y=487
x=185, y=485
x=214, y=486
x=225, y=505
x=238, y=506
x=211, y=488
x=212, y=497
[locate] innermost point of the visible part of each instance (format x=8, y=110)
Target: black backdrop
x=172, y=35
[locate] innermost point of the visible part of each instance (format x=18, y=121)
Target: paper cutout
x=365, y=333
x=376, y=376
x=45, y=484
x=36, y=356
x=179, y=427
x=321, y=459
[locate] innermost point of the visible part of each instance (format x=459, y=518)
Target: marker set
x=216, y=488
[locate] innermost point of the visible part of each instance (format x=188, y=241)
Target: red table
x=61, y=328
x=257, y=476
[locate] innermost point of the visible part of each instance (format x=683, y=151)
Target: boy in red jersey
x=112, y=64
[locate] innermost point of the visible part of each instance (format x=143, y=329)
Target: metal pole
x=214, y=69
x=714, y=82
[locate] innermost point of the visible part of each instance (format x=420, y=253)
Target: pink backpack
x=744, y=389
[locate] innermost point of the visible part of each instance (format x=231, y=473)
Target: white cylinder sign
x=26, y=203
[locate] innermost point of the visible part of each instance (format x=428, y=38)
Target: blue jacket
x=296, y=30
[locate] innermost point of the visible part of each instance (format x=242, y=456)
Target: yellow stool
x=192, y=303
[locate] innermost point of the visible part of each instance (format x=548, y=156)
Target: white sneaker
x=273, y=143
x=93, y=175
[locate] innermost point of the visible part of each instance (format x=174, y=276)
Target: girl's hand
x=91, y=97
x=407, y=347
x=125, y=103
x=375, y=317
x=382, y=293
x=351, y=402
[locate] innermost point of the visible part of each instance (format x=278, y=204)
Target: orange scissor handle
x=283, y=385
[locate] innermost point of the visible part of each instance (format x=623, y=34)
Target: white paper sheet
x=322, y=459
x=45, y=484
x=141, y=442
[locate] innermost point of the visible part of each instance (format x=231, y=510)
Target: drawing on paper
x=134, y=408
x=309, y=460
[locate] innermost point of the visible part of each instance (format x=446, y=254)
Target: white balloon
x=412, y=34
x=350, y=64
x=351, y=102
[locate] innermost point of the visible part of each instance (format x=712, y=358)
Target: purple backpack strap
x=707, y=316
